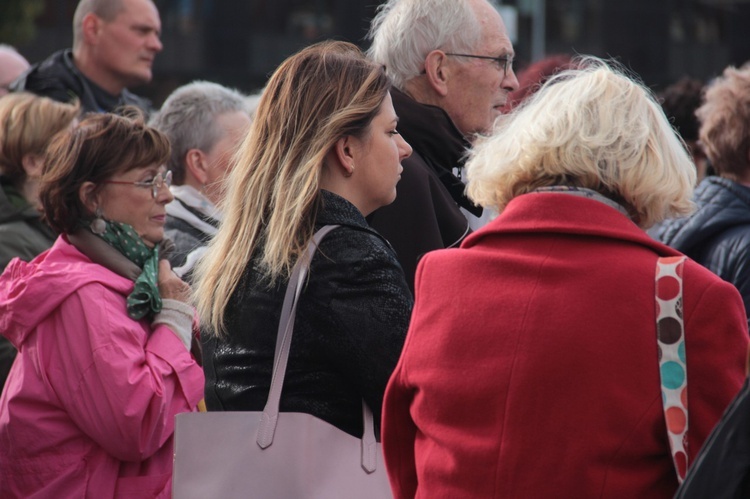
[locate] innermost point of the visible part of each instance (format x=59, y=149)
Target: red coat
x=530, y=367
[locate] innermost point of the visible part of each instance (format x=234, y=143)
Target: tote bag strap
x=270, y=415
x=670, y=335
x=284, y=338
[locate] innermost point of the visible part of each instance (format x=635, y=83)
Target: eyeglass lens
x=159, y=180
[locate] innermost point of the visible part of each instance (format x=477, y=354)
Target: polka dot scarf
x=145, y=298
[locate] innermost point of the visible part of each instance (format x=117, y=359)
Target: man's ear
x=196, y=164
x=437, y=71
x=89, y=197
x=344, y=152
x=90, y=28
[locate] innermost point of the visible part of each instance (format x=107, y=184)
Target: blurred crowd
x=530, y=271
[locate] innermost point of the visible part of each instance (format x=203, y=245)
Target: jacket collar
x=14, y=208
x=556, y=213
x=722, y=204
x=336, y=210
x=430, y=131
x=194, y=208
x=435, y=138
x=12, y=205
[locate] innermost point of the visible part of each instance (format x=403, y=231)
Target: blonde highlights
x=324, y=92
x=593, y=127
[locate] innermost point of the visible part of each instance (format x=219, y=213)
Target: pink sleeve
x=120, y=383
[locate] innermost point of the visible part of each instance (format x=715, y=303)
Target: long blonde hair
x=324, y=92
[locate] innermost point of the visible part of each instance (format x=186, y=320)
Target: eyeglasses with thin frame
x=155, y=184
x=504, y=61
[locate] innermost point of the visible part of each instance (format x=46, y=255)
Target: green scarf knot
x=145, y=298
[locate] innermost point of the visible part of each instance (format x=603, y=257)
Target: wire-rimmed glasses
x=155, y=184
x=503, y=61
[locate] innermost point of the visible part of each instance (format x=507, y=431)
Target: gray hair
x=403, y=32
x=104, y=9
x=188, y=118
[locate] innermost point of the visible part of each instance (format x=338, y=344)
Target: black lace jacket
x=350, y=327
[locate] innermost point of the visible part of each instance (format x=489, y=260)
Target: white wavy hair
x=593, y=127
x=403, y=32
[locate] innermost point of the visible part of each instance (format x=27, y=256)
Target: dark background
x=238, y=43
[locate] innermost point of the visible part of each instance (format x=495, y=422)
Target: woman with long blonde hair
x=323, y=150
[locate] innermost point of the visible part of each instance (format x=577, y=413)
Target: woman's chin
x=152, y=240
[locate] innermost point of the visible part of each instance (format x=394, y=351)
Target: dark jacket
x=23, y=235
x=57, y=78
x=350, y=327
x=188, y=229
x=717, y=235
x=185, y=237
x=425, y=215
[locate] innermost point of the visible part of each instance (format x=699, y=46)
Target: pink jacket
x=88, y=409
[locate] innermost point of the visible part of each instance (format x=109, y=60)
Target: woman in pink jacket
x=531, y=367
x=102, y=326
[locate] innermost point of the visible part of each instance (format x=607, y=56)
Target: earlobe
x=88, y=196
x=345, y=154
x=197, y=165
x=437, y=72
x=90, y=28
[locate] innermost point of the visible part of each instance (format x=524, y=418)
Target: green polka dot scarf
x=145, y=298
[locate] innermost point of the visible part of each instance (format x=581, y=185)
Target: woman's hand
x=171, y=286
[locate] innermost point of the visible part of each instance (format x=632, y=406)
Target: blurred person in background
x=717, y=235
x=102, y=325
x=531, y=366
x=680, y=101
x=115, y=43
x=323, y=149
x=451, y=63
x=12, y=65
x=532, y=77
x=27, y=125
x=205, y=122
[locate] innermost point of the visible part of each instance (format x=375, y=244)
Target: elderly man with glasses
x=451, y=62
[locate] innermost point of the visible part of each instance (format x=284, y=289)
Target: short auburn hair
x=99, y=148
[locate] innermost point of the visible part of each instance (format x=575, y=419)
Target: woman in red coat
x=531, y=367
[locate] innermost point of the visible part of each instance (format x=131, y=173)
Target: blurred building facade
x=239, y=42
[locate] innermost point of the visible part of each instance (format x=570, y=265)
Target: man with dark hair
x=114, y=46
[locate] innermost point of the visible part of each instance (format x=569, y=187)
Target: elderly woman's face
x=127, y=197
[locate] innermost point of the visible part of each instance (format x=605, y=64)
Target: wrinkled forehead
x=493, y=38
